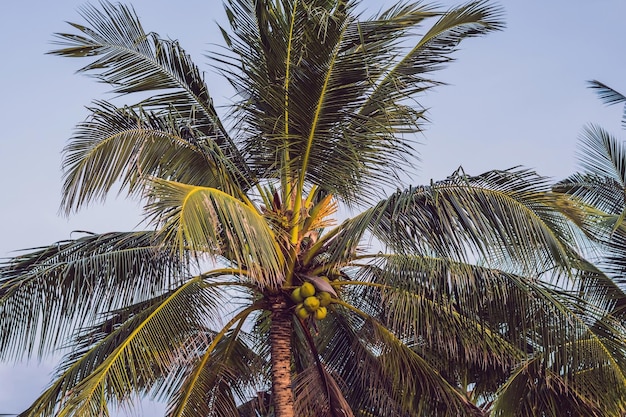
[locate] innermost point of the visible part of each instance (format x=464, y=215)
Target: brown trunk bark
x=280, y=340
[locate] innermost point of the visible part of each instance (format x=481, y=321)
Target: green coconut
x=324, y=298
x=311, y=303
x=307, y=290
x=321, y=313
x=301, y=311
x=296, y=296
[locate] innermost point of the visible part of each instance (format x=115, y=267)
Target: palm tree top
x=246, y=282
x=326, y=97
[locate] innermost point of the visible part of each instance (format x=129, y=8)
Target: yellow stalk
x=286, y=180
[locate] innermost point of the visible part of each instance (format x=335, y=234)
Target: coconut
x=307, y=290
x=324, y=298
x=301, y=311
x=320, y=313
x=296, y=296
x=311, y=303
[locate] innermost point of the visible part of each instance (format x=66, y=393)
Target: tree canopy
x=252, y=291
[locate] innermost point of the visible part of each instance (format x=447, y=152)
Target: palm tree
x=598, y=189
x=246, y=295
x=601, y=186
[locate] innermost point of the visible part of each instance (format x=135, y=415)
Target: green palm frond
x=317, y=393
x=503, y=218
x=486, y=320
x=46, y=293
x=602, y=182
x=603, y=155
x=433, y=49
x=475, y=300
x=603, y=288
x=349, y=355
x=134, y=355
x=133, y=61
x=549, y=396
x=202, y=219
x=219, y=375
x=609, y=96
x=316, y=390
x=600, y=187
x=339, y=245
x=123, y=147
x=541, y=386
x=603, y=193
x=340, y=112
x=569, y=375
x=379, y=354
x=454, y=309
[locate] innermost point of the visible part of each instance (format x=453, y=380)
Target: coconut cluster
x=309, y=302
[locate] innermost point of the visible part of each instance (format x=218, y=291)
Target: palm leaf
x=453, y=309
x=568, y=376
x=309, y=119
x=503, y=218
x=600, y=189
x=603, y=155
x=46, y=293
x=543, y=388
x=317, y=392
x=608, y=95
x=223, y=369
x=419, y=388
x=133, y=61
x=132, y=356
x=203, y=219
x=433, y=49
x=471, y=319
x=123, y=147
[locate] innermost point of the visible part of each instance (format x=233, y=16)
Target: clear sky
x=516, y=97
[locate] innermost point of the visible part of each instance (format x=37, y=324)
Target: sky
x=515, y=97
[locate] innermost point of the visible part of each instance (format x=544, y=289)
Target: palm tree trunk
x=280, y=340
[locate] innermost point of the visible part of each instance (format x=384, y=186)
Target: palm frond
x=132, y=356
x=46, y=293
x=317, y=392
x=202, y=219
x=592, y=351
x=216, y=380
x=419, y=388
x=340, y=112
x=503, y=218
x=133, y=61
x=339, y=245
x=453, y=309
x=602, y=154
x=607, y=94
x=541, y=384
x=600, y=191
x=433, y=49
x=123, y=147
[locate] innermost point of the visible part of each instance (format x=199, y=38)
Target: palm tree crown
x=246, y=295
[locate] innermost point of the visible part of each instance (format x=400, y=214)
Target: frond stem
x=241, y=316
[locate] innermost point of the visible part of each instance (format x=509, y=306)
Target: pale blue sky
x=517, y=97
